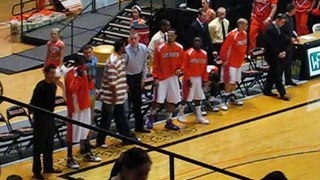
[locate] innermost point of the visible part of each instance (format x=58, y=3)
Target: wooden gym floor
x=264, y=135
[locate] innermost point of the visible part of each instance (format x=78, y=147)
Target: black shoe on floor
x=130, y=143
x=57, y=171
x=285, y=98
x=38, y=176
x=292, y=84
x=270, y=94
x=142, y=130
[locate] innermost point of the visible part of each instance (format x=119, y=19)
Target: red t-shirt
x=233, y=50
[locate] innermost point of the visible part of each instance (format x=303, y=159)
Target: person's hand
x=188, y=83
x=309, y=11
x=295, y=40
x=215, y=53
x=282, y=54
x=114, y=99
x=224, y=63
x=142, y=83
x=178, y=72
x=156, y=82
x=205, y=86
x=80, y=72
x=267, y=21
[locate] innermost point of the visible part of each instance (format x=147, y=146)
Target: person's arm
x=312, y=6
x=205, y=74
x=112, y=76
x=144, y=67
x=156, y=64
x=253, y=7
x=61, y=54
x=225, y=48
x=36, y=97
x=272, y=13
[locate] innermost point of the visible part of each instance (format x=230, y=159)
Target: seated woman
x=136, y=16
x=133, y=164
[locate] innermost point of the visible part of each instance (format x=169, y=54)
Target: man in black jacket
x=275, y=54
x=199, y=28
x=291, y=36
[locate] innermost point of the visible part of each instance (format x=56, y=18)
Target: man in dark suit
x=275, y=53
x=291, y=36
x=199, y=28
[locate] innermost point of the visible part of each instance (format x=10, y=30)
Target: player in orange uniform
x=78, y=104
x=261, y=16
x=232, y=53
x=167, y=65
x=304, y=7
x=195, y=62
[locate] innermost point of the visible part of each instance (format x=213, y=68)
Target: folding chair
x=258, y=62
x=249, y=78
x=60, y=126
x=26, y=132
x=9, y=138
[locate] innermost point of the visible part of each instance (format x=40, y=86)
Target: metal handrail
x=171, y=155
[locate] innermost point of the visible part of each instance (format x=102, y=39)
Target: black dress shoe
x=57, y=171
x=38, y=176
x=142, y=130
x=292, y=84
x=270, y=94
x=285, y=98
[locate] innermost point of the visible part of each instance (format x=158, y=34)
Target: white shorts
x=168, y=90
x=78, y=132
x=196, y=91
x=230, y=75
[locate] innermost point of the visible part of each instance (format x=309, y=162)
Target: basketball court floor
x=264, y=135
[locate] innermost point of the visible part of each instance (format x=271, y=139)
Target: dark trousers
x=288, y=64
x=217, y=47
x=135, y=92
x=120, y=114
x=43, y=142
x=275, y=76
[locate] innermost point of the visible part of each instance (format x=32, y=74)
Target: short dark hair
x=14, y=177
x=275, y=175
x=163, y=22
x=290, y=7
x=79, y=60
x=280, y=16
x=86, y=47
x=48, y=68
x=118, y=44
x=130, y=159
